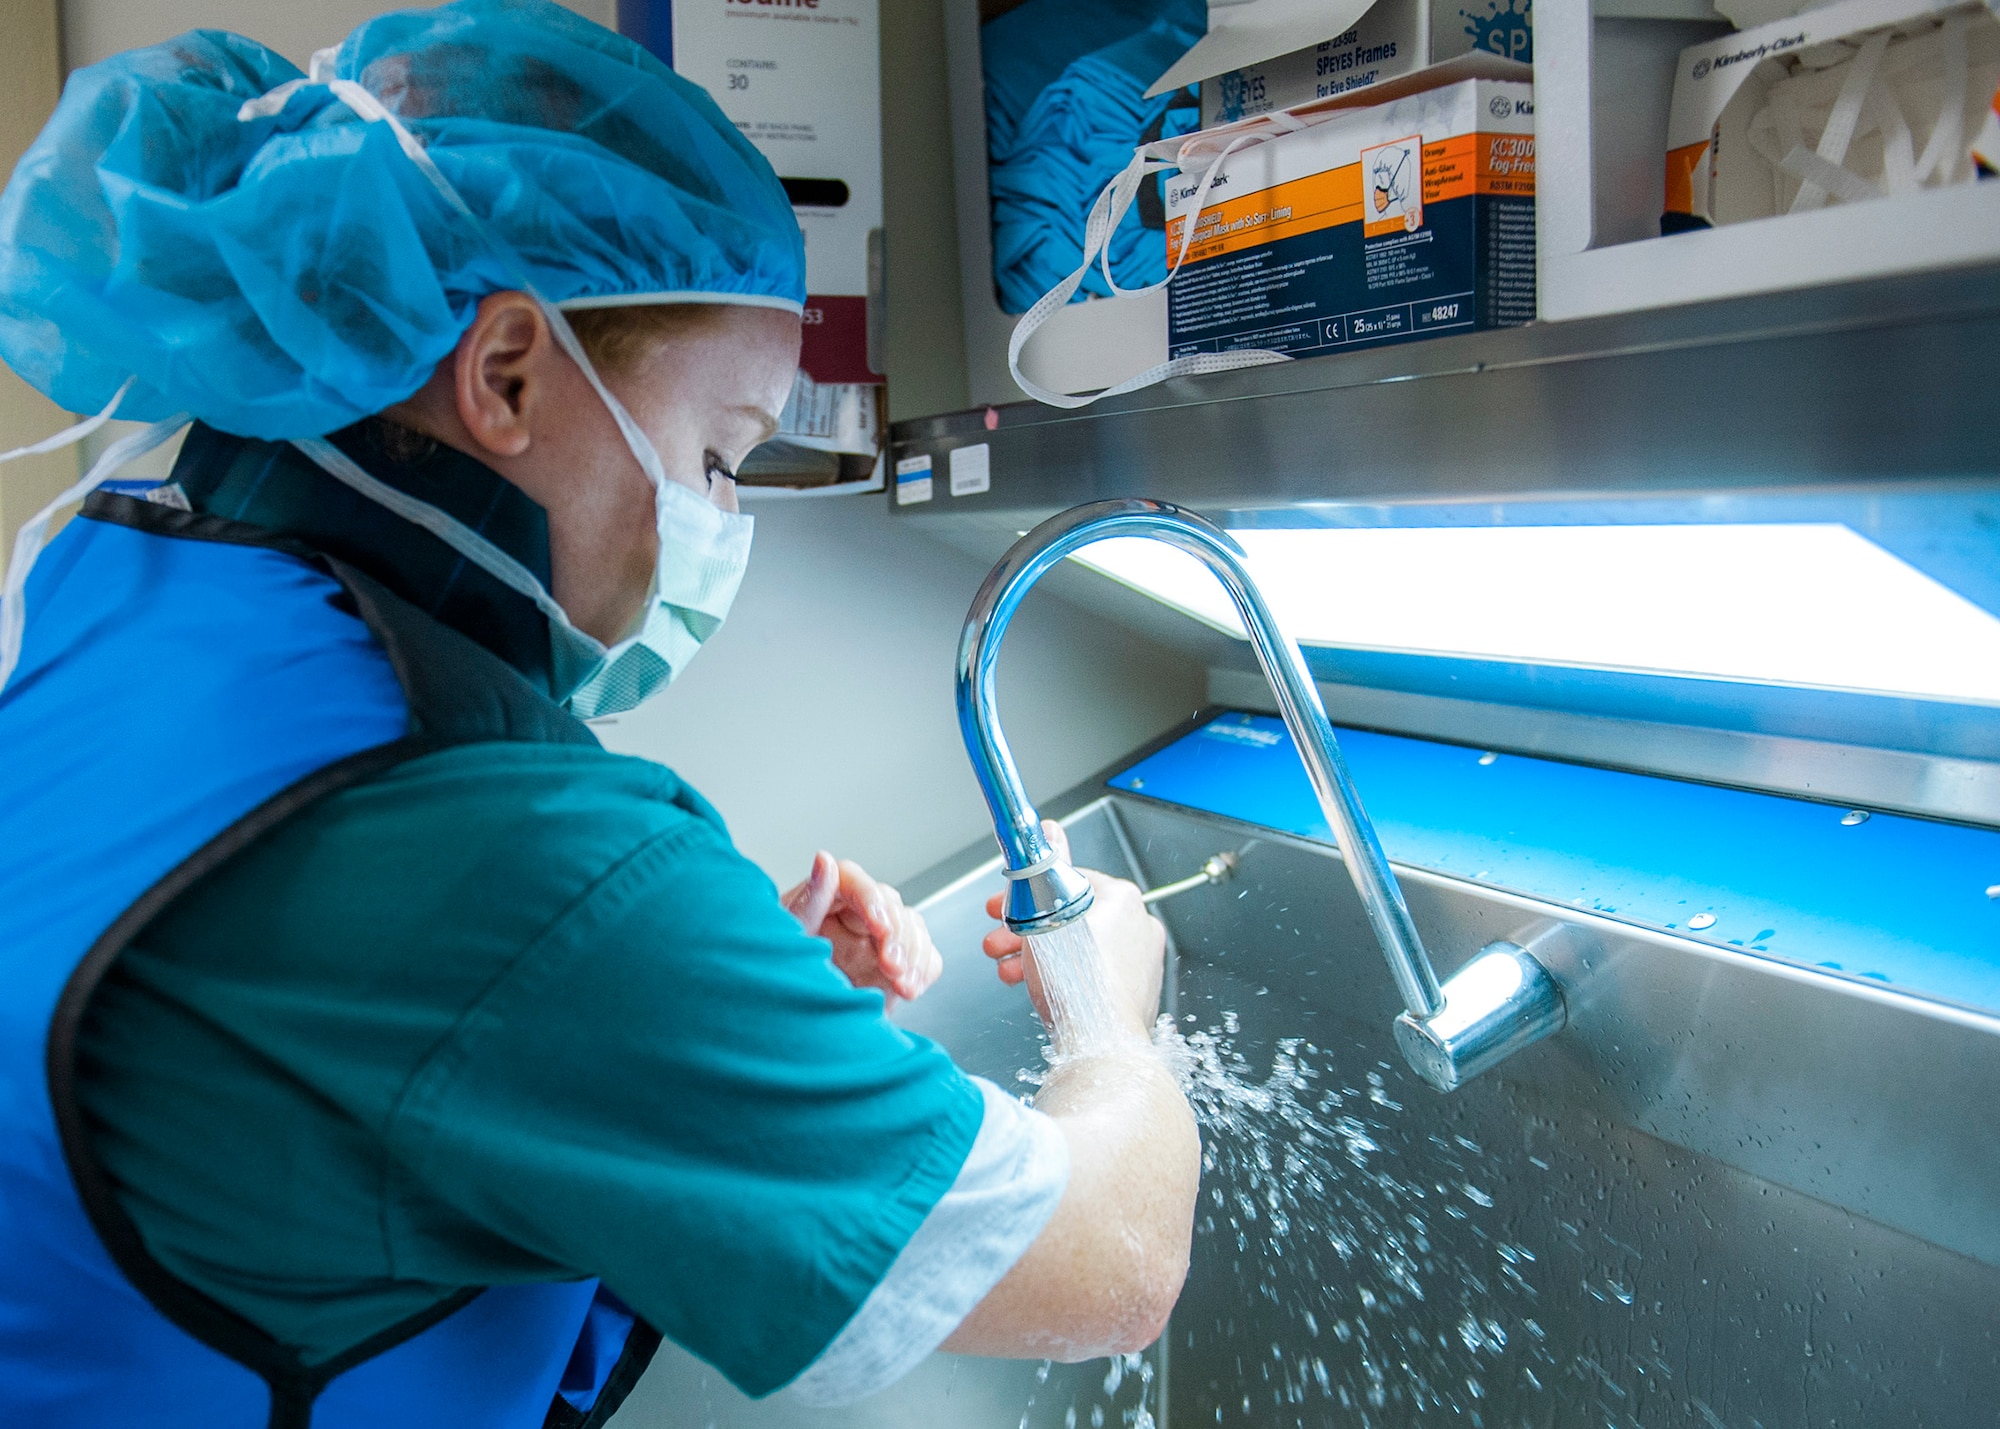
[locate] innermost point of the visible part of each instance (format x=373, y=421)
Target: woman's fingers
x=878, y=940
x=1005, y=949
x=1058, y=838
x=919, y=962
x=811, y=900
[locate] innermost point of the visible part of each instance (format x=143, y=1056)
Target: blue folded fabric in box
x=1065, y=106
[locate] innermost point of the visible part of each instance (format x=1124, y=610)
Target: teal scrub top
x=506, y=1013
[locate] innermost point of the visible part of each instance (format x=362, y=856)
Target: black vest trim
x=640, y=1346
x=458, y=693
x=294, y=1384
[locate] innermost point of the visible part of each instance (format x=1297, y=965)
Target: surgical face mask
x=703, y=552
x=702, y=555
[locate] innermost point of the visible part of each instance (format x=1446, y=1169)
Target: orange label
x=1480, y=164
x=1285, y=210
x=1506, y=164
x=1375, y=193
x=1681, y=166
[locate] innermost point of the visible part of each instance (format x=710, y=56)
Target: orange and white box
x=1849, y=102
x=1410, y=218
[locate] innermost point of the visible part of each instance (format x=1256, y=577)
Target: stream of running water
x=1081, y=1014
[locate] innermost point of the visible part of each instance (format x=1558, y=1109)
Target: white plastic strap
x=454, y=533
x=1829, y=179
x=1885, y=115
x=1105, y=215
x=1944, y=151
x=1846, y=116
x=1773, y=133
x=33, y=536
x=72, y=434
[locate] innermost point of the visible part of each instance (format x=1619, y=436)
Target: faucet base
x=1501, y=1001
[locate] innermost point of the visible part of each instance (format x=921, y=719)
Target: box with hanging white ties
x=1355, y=225
x=1848, y=103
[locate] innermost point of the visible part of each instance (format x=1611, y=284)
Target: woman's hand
x=877, y=941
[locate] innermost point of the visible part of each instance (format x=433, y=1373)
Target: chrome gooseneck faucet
x=1498, y=1003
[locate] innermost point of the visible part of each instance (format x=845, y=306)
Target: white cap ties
x=368, y=107
x=35, y=534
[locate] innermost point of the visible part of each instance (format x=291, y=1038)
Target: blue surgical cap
x=285, y=275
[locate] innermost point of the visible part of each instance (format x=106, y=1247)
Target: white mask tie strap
x=76, y=433
x=1105, y=215
x=34, y=536
x=448, y=529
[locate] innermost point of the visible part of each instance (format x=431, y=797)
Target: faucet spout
x=1450, y=1032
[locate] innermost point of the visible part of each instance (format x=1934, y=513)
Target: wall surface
x=30, y=75
x=924, y=337
x=822, y=714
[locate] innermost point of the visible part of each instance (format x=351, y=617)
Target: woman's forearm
x=1106, y=1270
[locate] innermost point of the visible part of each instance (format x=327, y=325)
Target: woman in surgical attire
x=376, y=1049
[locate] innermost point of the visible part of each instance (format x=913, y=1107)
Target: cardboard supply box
x=1849, y=102
x=1394, y=37
x=802, y=82
x=1406, y=219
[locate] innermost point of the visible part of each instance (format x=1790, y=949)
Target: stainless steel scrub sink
x=1732, y=1193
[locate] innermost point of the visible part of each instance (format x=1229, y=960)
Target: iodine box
x=1406, y=219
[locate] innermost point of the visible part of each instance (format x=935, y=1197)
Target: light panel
x=1810, y=604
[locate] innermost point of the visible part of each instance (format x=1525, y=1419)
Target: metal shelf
x=1859, y=383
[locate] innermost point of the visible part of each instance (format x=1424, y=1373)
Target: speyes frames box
x=1392, y=38
x=1411, y=218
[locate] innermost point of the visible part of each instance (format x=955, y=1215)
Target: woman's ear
x=497, y=369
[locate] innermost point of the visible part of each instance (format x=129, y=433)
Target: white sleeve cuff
x=1009, y=1186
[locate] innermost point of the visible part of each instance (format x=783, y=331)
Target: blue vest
x=187, y=684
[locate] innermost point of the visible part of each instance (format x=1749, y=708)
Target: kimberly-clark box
x=1406, y=219
x=1394, y=37
x=1845, y=103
